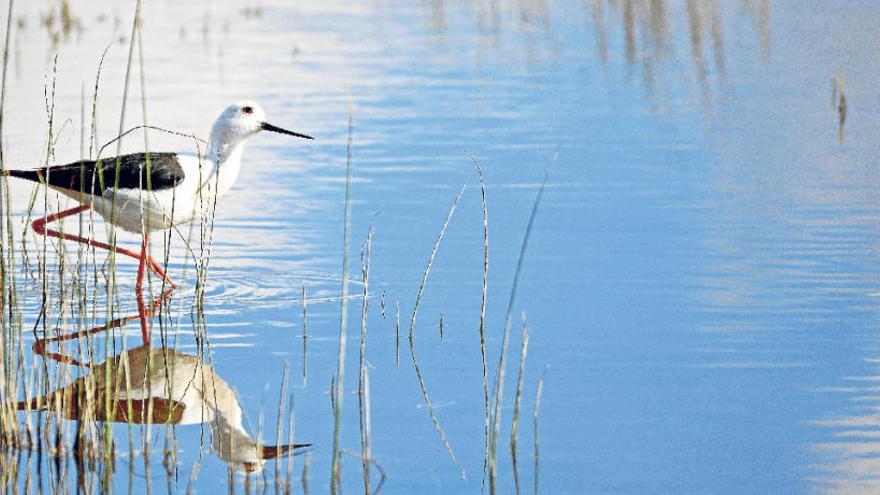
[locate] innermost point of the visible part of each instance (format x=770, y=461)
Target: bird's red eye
x=247, y=110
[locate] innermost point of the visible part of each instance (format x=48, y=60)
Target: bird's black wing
x=92, y=177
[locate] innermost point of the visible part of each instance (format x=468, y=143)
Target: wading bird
x=142, y=192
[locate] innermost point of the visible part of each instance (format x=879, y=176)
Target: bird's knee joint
x=39, y=226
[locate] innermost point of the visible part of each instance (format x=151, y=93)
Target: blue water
x=699, y=284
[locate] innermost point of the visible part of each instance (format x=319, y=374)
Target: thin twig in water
x=423, y=388
x=367, y=435
x=397, y=333
x=305, y=332
x=279, y=428
x=363, y=376
x=483, y=316
x=412, y=349
x=412, y=322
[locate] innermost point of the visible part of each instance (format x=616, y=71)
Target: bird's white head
x=234, y=446
x=238, y=122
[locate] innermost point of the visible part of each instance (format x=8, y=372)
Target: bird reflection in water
x=166, y=387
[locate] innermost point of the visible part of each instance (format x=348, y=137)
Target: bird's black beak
x=269, y=127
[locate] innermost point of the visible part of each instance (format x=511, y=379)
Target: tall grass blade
x=514, y=429
x=7, y=284
x=335, y=475
x=505, y=341
x=363, y=375
x=279, y=426
x=483, y=316
x=421, y=291
x=539, y=391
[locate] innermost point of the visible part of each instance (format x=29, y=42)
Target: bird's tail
x=31, y=175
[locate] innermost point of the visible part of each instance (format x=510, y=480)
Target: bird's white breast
x=204, y=182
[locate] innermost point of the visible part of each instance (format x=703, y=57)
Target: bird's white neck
x=225, y=145
x=226, y=155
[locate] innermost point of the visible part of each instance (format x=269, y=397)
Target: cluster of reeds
x=492, y=404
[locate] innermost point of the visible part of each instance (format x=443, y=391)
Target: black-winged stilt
x=175, y=188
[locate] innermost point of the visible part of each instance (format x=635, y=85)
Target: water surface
x=699, y=282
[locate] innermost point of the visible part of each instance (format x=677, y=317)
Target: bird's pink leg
x=144, y=311
x=39, y=226
x=139, y=291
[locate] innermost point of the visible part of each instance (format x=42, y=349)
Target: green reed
x=335, y=475
x=502, y=360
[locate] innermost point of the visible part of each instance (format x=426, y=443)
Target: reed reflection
x=644, y=27
x=649, y=34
